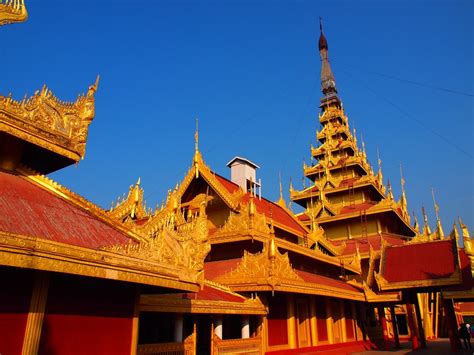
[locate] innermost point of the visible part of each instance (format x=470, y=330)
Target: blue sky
x=250, y=70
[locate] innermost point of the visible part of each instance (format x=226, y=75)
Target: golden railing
x=185, y=348
x=249, y=346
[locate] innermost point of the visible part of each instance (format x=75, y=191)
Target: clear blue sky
x=250, y=70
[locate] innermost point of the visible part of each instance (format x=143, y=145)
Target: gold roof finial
x=439, y=227
x=416, y=225
x=281, y=200
x=468, y=248
x=403, y=199
x=426, y=227
x=390, y=193
x=196, y=135
x=196, y=149
x=454, y=235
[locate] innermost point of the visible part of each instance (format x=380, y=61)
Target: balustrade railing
x=249, y=346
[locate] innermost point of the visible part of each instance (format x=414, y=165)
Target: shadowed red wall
x=15, y=297
x=87, y=316
x=277, y=320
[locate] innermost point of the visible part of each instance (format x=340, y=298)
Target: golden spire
x=390, y=193
x=12, y=11
x=281, y=200
x=439, y=227
x=379, y=176
x=403, y=199
x=196, y=149
x=426, y=227
x=291, y=185
x=468, y=248
x=416, y=225
x=454, y=235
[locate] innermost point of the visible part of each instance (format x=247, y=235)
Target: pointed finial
x=468, y=247
x=93, y=88
x=291, y=185
x=454, y=235
x=281, y=200
x=389, y=187
x=379, y=161
x=138, y=181
x=426, y=227
x=416, y=225
x=196, y=135
x=439, y=228
x=320, y=23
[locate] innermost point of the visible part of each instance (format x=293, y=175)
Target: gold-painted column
x=136, y=315
x=329, y=321
x=34, y=323
x=291, y=322
x=342, y=320
x=313, y=322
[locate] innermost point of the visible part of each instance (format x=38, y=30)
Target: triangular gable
x=229, y=193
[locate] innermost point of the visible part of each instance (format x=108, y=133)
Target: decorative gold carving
x=131, y=207
x=268, y=266
x=12, y=11
x=171, y=239
x=175, y=304
x=50, y=123
x=40, y=254
x=246, y=221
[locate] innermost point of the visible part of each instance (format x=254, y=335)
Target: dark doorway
x=203, y=339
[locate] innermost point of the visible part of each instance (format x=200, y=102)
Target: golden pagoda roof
x=48, y=124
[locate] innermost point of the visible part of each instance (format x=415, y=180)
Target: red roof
x=357, y=207
x=229, y=185
x=364, y=243
x=467, y=281
x=326, y=281
x=214, y=269
x=30, y=210
x=467, y=307
x=266, y=207
x=417, y=262
x=209, y=293
x=275, y=212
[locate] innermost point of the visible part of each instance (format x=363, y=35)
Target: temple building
x=217, y=268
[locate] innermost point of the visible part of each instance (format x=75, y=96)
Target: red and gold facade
x=217, y=268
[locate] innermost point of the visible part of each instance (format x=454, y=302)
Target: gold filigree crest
x=53, y=124
x=12, y=11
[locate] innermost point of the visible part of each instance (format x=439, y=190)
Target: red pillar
x=411, y=324
x=451, y=324
x=383, y=322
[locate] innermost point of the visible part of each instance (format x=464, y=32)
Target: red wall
x=87, y=316
x=277, y=320
x=15, y=296
x=321, y=324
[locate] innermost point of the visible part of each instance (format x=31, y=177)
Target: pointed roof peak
x=323, y=43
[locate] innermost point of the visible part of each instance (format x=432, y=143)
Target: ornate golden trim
x=40, y=254
x=12, y=11
x=44, y=120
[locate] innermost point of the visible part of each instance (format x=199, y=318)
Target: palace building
x=218, y=268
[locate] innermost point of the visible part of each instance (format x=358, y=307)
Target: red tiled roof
x=266, y=207
x=229, y=185
x=30, y=210
x=275, y=212
x=372, y=240
x=214, y=269
x=326, y=281
x=357, y=207
x=417, y=262
x=349, y=181
x=303, y=217
x=209, y=293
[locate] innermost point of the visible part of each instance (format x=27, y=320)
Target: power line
x=457, y=92
x=408, y=116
